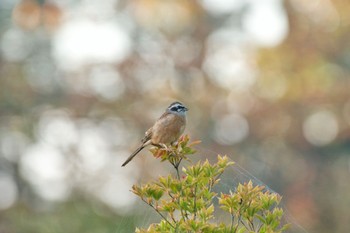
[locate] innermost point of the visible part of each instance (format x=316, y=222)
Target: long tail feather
x=133, y=155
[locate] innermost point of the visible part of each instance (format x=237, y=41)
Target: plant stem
x=252, y=225
x=232, y=221
x=244, y=224
x=176, y=166
x=159, y=213
x=177, y=173
x=238, y=222
x=195, y=202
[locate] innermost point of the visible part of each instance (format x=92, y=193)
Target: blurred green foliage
x=74, y=216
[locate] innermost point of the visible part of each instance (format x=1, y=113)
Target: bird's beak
x=186, y=109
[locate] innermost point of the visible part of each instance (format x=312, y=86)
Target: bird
x=166, y=130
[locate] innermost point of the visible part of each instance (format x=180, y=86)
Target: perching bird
x=166, y=130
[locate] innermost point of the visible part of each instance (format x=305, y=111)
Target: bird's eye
x=177, y=108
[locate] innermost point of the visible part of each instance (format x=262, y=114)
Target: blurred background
x=266, y=81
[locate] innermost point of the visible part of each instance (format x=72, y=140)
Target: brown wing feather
x=147, y=136
x=149, y=133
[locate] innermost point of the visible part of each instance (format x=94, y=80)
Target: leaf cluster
x=186, y=204
x=176, y=152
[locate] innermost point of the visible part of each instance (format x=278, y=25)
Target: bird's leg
x=164, y=146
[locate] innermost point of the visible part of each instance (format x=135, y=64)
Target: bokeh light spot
x=9, y=192
x=15, y=45
x=321, y=128
x=106, y=83
x=266, y=22
x=218, y=7
x=227, y=62
x=82, y=42
x=115, y=192
x=56, y=128
x=12, y=144
x=47, y=170
x=93, y=149
x=231, y=129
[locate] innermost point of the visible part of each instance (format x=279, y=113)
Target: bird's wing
x=148, y=135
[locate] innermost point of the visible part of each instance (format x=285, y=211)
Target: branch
x=195, y=202
x=158, y=213
x=232, y=221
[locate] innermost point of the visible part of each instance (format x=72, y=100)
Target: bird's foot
x=164, y=146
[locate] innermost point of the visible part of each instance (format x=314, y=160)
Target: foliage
x=186, y=204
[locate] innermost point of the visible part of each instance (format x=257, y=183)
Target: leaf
x=195, y=143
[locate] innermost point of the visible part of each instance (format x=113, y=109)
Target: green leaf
x=186, y=204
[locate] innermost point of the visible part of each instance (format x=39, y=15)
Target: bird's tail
x=133, y=154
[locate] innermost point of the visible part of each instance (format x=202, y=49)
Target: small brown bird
x=166, y=130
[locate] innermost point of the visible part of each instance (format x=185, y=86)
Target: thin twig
x=159, y=213
x=232, y=221
x=177, y=172
x=212, y=183
x=195, y=202
x=239, y=218
x=172, y=217
x=244, y=224
x=238, y=222
x=251, y=225
x=259, y=227
x=176, y=166
x=250, y=222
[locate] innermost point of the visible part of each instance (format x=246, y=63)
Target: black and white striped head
x=177, y=108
